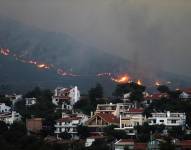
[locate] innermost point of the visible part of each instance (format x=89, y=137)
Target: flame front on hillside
x=121, y=79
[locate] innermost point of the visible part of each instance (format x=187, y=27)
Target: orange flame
x=157, y=83
x=43, y=66
x=139, y=82
x=5, y=52
x=122, y=79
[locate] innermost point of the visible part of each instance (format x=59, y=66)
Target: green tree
x=133, y=88
x=83, y=131
x=95, y=95
x=112, y=134
x=3, y=127
x=163, y=89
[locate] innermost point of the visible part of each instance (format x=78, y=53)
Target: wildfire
x=5, y=51
x=125, y=78
x=43, y=66
x=139, y=82
x=157, y=83
x=122, y=79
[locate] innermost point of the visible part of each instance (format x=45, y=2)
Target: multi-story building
x=149, y=98
x=66, y=97
x=69, y=123
x=167, y=119
x=10, y=117
x=130, y=118
x=114, y=109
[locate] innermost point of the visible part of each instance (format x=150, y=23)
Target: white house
x=10, y=117
x=69, y=123
x=114, y=109
x=131, y=118
x=167, y=119
x=185, y=96
x=4, y=108
x=30, y=101
x=68, y=96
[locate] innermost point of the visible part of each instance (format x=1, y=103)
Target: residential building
x=114, y=109
x=10, y=117
x=69, y=123
x=131, y=118
x=149, y=98
x=100, y=120
x=30, y=101
x=4, y=108
x=66, y=97
x=185, y=96
x=168, y=119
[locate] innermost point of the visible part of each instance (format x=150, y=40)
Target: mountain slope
x=62, y=51
x=58, y=49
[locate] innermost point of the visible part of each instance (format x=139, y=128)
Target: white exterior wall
x=10, y=118
x=120, y=108
x=184, y=95
x=167, y=119
x=30, y=101
x=69, y=127
x=74, y=95
x=4, y=108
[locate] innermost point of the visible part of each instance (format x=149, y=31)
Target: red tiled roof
x=187, y=90
x=140, y=146
x=108, y=118
x=185, y=144
x=136, y=110
x=156, y=96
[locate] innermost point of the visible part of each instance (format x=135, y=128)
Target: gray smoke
x=154, y=34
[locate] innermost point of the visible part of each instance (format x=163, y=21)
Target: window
x=173, y=121
x=161, y=120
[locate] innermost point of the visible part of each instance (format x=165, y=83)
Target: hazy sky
x=153, y=33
